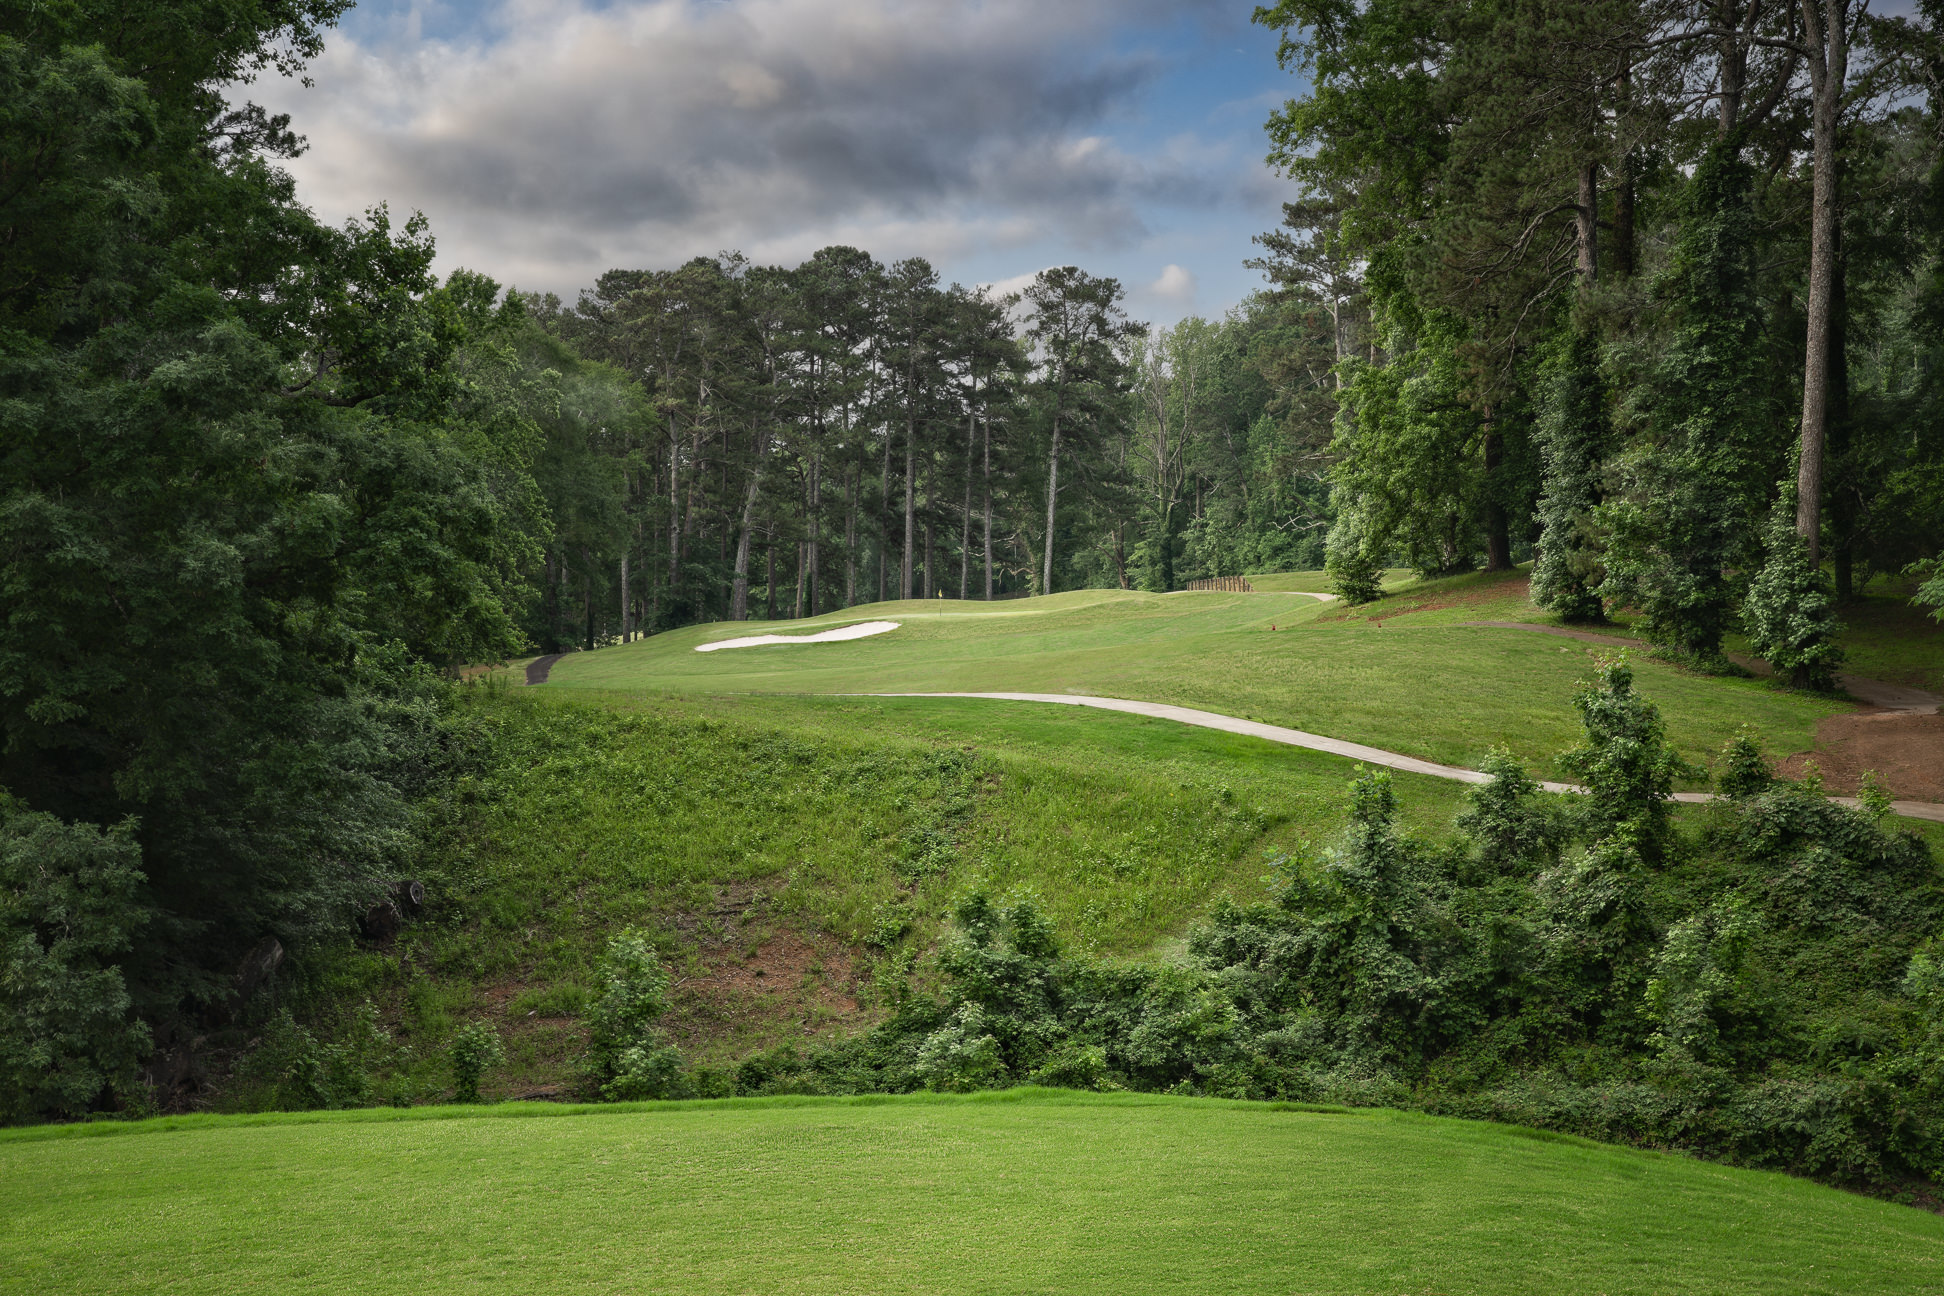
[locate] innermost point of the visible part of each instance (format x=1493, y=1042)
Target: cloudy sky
x=549, y=140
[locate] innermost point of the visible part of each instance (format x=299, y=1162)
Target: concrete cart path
x=1334, y=746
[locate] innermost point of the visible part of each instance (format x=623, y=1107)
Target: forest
x=1648, y=294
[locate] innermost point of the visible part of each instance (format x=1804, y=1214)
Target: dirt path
x=1335, y=746
x=538, y=668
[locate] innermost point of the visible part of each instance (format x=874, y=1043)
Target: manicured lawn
x=1026, y=1191
x=1441, y=691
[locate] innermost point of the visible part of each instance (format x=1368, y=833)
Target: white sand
x=862, y=630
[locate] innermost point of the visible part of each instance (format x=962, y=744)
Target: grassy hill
x=779, y=849
x=1023, y=1191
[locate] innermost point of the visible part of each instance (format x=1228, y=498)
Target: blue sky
x=549, y=140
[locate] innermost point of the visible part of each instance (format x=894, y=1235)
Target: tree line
x=1644, y=290
x=785, y=441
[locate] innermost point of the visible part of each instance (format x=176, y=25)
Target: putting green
x=1025, y=1191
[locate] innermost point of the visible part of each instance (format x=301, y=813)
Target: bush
x=626, y=1059
x=962, y=1055
x=1356, y=573
x=1744, y=770
x=69, y=903
x=1625, y=761
x=1790, y=612
x=303, y=1073
x=474, y=1049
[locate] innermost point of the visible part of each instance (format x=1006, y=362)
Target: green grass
x=1446, y=692
x=1317, y=582
x=1888, y=639
x=1017, y=1192
x=728, y=826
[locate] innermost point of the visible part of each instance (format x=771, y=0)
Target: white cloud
x=1175, y=285
x=582, y=137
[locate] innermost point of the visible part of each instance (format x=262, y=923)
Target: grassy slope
x=1425, y=688
x=1019, y=1192
x=787, y=834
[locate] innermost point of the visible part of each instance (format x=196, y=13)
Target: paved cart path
x=1334, y=746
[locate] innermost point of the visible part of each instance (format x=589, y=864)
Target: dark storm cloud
x=643, y=133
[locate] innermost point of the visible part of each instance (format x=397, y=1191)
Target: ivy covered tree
x=1790, y=611
x=1683, y=514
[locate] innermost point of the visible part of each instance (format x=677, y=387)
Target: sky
x=550, y=140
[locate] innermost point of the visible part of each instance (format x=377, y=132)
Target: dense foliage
x=260, y=482
x=1694, y=244
x=1760, y=989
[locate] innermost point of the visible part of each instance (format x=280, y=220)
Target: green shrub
x=626, y=1060
x=1626, y=762
x=1074, y=1066
x=1744, y=770
x=1790, y=611
x=69, y=903
x=1356, y=573
x=297, y=1071
x=1513, y=827
x=962, y=1055
x=1759, y=990
x=475, y=1049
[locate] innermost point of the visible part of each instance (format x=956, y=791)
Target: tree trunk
x=674, y=512
x=1498, y=537
x=796, y=609
x=587, y=596
x=850, y=534
x=1731, y=61
x=1052, y=504
x=815, y=525
x=1842, y=499
x=910, y=503
x=965, y=514
x=1586, y=218
x=1827, y=29
x=884, y=519
x=624, y=596
x=1622, y=259
x=988, y=506
x=739, y=598
x=769, y=561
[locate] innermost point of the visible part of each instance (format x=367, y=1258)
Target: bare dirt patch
x=1906, y=751
x=752, y=978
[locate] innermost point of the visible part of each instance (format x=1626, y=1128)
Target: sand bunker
x=862, y=630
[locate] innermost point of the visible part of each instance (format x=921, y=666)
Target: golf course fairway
x=1017, y=1191
x=1441, y=692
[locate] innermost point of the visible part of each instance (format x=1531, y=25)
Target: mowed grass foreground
x=1025, y=1191
x=1442, y=691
